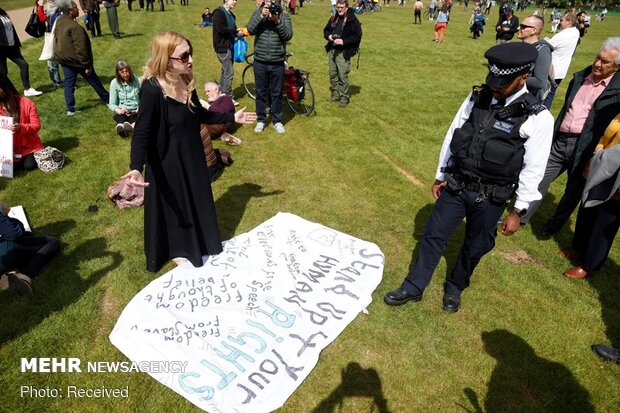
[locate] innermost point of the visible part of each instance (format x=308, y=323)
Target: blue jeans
x=71, y=79
x=480, y=233
x=549, y=99
x=52, y=69
x=269, y=80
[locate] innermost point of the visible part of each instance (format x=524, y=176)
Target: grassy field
x=521, y=340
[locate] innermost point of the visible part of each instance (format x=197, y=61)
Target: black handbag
x=34, y=27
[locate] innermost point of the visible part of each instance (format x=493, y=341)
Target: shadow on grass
x=354, y=90
x=356, y=382
x=605, y=281
x=543, y=213
x=64, y=143
x=62, y=283
x=524, y=382
x=231, y=206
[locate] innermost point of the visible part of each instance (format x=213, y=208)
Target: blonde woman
x=179, y=212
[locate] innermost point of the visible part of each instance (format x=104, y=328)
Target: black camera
x=274, y=8
x=335, y=36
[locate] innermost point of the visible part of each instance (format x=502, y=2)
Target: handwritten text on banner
x=252, y=320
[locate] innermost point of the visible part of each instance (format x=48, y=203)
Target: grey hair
x=213, y=83
x=613, y=43
x=63, y=5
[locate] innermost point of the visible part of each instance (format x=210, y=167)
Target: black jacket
x=351, y=34
x=223, y=36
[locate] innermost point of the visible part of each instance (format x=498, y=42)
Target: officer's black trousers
x=480, y=233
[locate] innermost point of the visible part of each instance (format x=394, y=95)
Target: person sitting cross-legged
x=124, y=98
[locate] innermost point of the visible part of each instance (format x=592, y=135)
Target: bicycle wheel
x=304, y=106
x=425, y=15
x=377, y=8
x=248, y=81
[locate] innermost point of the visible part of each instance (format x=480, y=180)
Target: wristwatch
x=520, y=212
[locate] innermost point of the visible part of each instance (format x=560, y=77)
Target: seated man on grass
x=217, y=159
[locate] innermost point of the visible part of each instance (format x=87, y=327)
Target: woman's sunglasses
x=184, y=58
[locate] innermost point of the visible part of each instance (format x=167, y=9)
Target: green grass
x=521, y=341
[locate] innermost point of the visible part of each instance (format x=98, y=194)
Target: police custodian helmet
x=509, y=60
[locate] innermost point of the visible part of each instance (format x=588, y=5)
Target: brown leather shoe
x=577, y=273
x=571, y=254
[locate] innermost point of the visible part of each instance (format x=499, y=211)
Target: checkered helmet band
x=504, y=72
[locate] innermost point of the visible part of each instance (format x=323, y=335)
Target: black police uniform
x=482, y=176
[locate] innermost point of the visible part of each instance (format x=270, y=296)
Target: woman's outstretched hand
x=135, y=178
x=241, y=116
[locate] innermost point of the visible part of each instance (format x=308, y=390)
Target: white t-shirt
x=564, y=44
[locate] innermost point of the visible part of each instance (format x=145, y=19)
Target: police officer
x=497, y=146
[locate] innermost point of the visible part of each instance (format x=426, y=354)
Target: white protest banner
x=252, y=321
x=6, y=147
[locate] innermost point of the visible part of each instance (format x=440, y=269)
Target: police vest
x=488, y=148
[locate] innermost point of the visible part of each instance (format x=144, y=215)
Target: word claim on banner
x=252, y=321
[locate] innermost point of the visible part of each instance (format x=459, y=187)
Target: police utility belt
x=456, y=182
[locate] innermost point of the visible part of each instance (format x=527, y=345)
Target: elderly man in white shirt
x=564, y=44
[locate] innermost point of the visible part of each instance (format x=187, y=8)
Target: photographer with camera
x=272, y=28
x=343, y=32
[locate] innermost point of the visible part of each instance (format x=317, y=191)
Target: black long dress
x=179, y=211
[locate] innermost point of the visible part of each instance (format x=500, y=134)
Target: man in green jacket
x=272, y=28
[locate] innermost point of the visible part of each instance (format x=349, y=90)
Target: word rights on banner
x=252, y=321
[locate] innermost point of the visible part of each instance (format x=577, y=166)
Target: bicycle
x=426, y=14
x=297, y=92
x=371, y=6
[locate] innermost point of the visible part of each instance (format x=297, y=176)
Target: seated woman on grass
x=25, y=127
x=124, y=98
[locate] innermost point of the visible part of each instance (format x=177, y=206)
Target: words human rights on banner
x=252, y=321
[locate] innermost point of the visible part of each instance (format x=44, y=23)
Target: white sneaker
x=279, y=127
x=259, y=127
x=69, y=113
x=32, y=92
x=235, y=102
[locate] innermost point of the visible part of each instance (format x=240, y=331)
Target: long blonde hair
x=162, y=47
